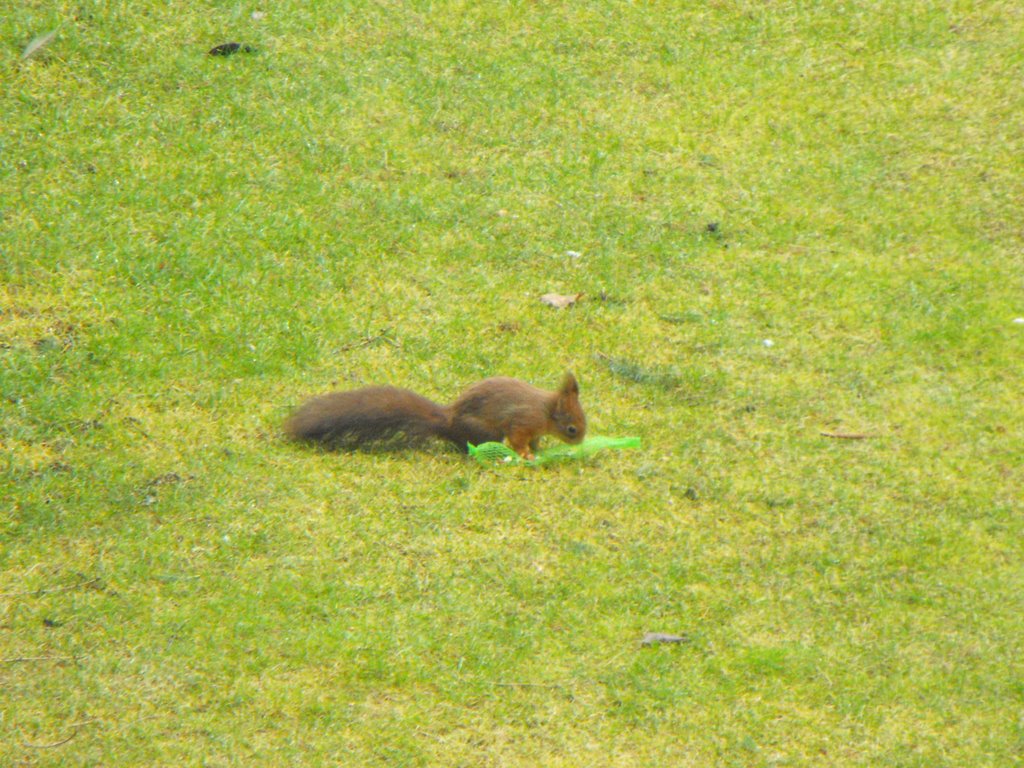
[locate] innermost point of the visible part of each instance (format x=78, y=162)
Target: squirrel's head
x=567, y=413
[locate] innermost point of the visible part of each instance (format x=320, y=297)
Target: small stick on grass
x=847, y=435
x=368, y=341
x=550, y=686
x=62, y=742
x=52, y=590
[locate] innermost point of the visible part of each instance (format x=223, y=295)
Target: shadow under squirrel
x=488, y=411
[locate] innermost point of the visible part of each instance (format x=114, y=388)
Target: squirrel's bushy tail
x=370, y=416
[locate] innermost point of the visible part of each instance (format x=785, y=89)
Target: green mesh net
x=498, y=453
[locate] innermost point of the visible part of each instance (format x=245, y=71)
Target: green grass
x=190, y=245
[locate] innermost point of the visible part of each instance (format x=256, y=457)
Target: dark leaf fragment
x=227, y=49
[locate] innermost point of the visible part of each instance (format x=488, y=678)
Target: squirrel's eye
x=571, y=430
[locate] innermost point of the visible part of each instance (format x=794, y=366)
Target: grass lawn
x=791, y=223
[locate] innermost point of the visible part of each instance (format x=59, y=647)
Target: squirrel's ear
x=569, y=385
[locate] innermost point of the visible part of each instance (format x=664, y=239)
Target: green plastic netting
x=492, y=454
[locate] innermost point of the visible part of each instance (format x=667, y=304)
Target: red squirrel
x=489, y=411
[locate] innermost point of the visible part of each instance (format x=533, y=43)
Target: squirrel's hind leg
x=473, y=431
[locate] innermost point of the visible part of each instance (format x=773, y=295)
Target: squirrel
x=489, y=411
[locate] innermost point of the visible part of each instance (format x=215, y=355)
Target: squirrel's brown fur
x=490, y=410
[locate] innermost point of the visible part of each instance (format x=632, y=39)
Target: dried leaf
x=560, y=301
x=657, y=638
x=226, y=49
x=38, y=43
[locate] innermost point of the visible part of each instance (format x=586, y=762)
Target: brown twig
x=847, y=435
x=368, y=341
x=551, y=686
x=62, y=742
x=38, y=592
x=133, y=423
